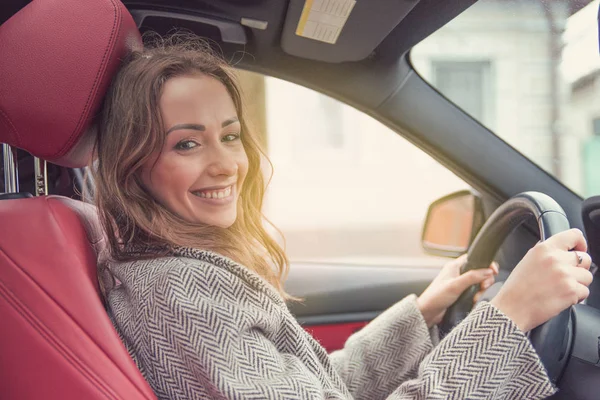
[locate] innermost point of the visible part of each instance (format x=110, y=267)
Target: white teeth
x=217, y=194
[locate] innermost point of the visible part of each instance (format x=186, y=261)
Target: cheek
x=165, y=177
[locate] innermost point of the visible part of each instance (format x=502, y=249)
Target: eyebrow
x=229, y=122
x=202, y=128
x=195, y=127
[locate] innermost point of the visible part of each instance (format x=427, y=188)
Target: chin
x=224, y=222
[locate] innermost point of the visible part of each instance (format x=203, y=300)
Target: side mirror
x=451, y=224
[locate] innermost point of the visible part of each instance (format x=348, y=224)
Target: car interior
x=57, y=58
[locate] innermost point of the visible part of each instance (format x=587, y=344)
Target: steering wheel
x=552, y=339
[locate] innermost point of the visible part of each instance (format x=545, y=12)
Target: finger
x=582, y=292
x=462, y=258
x=487, y=283
x=583, y=276
x=572, y=258
x=456, y=264
x=460, y=261
x=495, y=267
x=586, y=260
x=472, y=277
x=572, y=239
x=484, y=286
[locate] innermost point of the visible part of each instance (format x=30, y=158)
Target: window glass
x=467, y=83
x=530, y=72
x=345, y=188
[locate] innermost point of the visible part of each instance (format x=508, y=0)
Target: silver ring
x=579, y=258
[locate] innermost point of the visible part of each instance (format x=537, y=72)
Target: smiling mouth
x=214, y=194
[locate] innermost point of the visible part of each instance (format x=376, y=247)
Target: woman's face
x=199, y=173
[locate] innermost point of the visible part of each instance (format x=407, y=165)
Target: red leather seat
x=56, y=340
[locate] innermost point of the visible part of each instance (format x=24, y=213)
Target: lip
x=217, y=202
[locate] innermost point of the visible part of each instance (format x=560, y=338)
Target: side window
x=590, y=161
x=345, y=188
x=529, y=71
x=468, y=84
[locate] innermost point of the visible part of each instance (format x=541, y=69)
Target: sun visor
x=340, y=30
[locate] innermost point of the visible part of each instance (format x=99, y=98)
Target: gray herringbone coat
x=200, y=326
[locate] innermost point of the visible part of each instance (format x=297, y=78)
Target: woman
x=195, y=282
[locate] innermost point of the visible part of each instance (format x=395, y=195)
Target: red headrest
x=57, y=60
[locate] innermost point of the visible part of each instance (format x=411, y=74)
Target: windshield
x=529, y=70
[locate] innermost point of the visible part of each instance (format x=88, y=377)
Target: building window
x=466, y=83
x=596, y=127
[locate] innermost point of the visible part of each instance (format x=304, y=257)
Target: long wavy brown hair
x=131, y=131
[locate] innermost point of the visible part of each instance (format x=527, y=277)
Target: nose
x=222, y=163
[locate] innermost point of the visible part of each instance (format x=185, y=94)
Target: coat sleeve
x=386, y=352
x=484, y=357
x=198, y=345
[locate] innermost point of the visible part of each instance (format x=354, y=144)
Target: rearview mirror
x=451, y=224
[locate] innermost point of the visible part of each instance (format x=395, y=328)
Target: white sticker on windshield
x=323, y=20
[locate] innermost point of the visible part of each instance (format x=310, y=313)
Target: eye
x=231, y=137
x=186, y=145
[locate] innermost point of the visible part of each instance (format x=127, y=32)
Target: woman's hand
x=447, y=287
x=552, y=276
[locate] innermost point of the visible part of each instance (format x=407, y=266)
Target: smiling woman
x=194, y=283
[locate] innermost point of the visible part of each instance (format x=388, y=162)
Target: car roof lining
x=413, y=19
x=410, y=22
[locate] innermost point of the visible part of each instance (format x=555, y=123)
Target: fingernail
x=488, y=272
